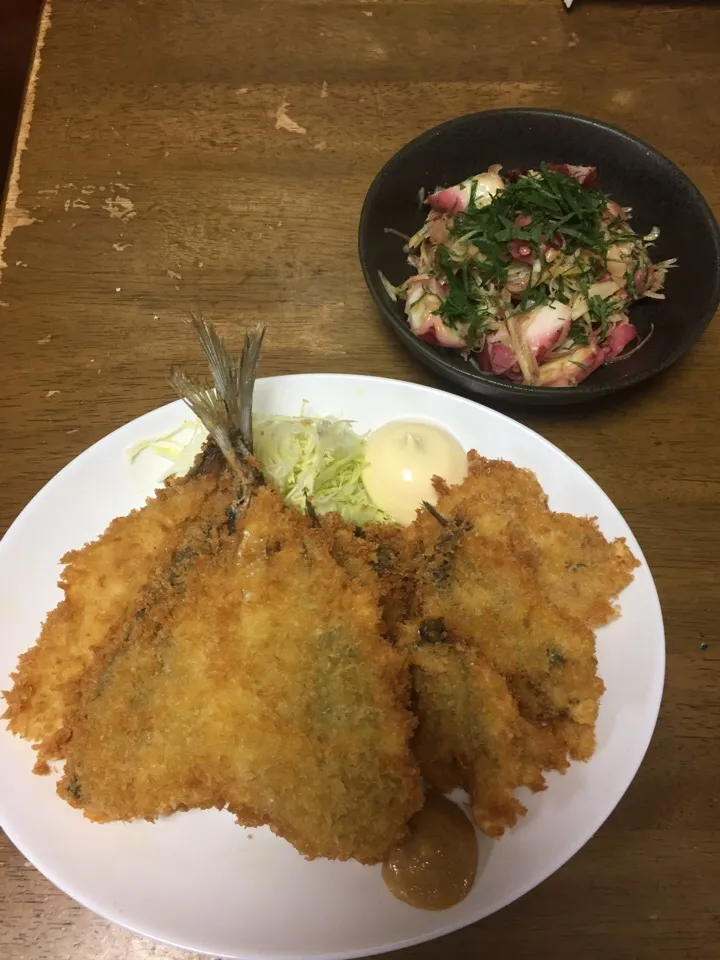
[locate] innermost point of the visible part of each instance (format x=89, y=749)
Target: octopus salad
x=530, y=274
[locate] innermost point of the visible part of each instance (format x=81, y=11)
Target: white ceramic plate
x=199, y=881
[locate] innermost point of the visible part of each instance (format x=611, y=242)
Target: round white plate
x=197, y=880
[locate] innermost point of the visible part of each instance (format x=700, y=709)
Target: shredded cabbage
x=179, y=447
x=318, y=457
x=322, y=457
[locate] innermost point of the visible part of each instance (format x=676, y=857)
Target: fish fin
x=218, y=356
x=234, y=378
x=245, y=376
x=438, y=516
x=226, y=411
x=209, y=408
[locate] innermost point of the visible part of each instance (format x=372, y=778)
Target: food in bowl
x=530, y=274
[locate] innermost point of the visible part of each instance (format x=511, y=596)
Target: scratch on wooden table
x=285, y=122
x=15, y=216
x=623, y=98
x=121, y=208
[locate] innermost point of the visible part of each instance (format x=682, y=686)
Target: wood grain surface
x=156, y=178
x=18, y=23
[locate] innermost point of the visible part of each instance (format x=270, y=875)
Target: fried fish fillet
x=579, y=569
x=270, y=691
x=496, y=668
x=99, y=582
x=378, y=555
x=102, y=580
x=470, y=732
x=503, y=657
x=246, y=669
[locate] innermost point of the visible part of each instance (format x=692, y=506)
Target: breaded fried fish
x=470, y=732
x=269, y=690
x=377, y=555
x=251, y=672
x=503, y=657
x=579, y=569
x=102, y=580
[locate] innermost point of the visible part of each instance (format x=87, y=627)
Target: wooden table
x=185, y=153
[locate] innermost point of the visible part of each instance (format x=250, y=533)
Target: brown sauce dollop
x=434, y=868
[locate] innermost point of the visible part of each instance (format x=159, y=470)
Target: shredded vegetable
x=530, y=275
x=179, y=447
x=320, y=458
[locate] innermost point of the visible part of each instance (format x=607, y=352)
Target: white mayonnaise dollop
x=402, y=458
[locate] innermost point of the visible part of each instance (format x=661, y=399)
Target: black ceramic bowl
x=631, y=171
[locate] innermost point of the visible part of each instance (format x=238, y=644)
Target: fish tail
x=244, y=383
x=225, y=410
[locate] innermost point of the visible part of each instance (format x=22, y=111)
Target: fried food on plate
x=503, y=659
x=579, y=569
x=250, y=672
x=470, y=732
x=102, y=580
x=269, y=690
x=99, y=582
x=218, y=648
x=378, y=556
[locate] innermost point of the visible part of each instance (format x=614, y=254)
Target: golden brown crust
x=100, y=583
x=267, y=688
x=378, y=556
x=500, y=639
x=581, y=571
x=205, y=661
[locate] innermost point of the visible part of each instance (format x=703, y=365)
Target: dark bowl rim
x=435, y=357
